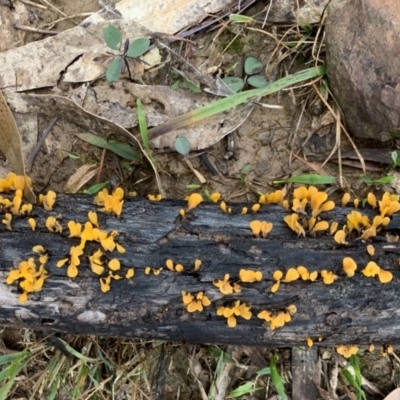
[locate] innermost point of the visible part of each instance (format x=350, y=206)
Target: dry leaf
x=10, y=144
x=82, y=176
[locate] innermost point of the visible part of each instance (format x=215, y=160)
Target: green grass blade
x=309, y=179
x=143, y=128
x=277, y=380
x=12, y=371
x=234, y=100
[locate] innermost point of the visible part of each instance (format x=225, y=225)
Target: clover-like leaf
x=138, y=47
x=182, y=146
x=252, y=66
x=112, y=36
x=235, y=83
x=257, y=81
x=114, y=69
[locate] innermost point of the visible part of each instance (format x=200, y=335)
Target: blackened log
x=351, y=310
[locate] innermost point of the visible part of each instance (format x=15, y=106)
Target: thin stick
x=36, y=30
x=40, y=142
x=32, y=3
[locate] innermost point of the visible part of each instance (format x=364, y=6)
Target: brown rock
x=363, y=57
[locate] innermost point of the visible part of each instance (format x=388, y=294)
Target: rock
x=362, y=41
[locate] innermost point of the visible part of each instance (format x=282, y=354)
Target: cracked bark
x=357, y=310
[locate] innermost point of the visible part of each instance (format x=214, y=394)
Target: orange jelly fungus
x=346, y=350
x=32, y=224
x=215, y=197
x=231, y=313
x=130, y=273
x=389, y=204
x=152, y=197
x=112, y=203
x=345, y=199
x=310, y=342
x=277, y=319
x=277, y=276
x=371, y=199
x=292, y=221
x=371, y=250
x=349, y=266
x=260, y=227
x=195, y=302
x=224, y=207
x=7, y=221
x=291, y=275
x=244, y=211
x=53, y=225
x=272, y=198
x=194, y=200
x=255, y=207
x=250, y=276
x=197, y=265
x=225, y=287
x=305, y=275
x=340, y=237
x=328, y=277
x=30, y=276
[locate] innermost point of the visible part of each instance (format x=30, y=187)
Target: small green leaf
x=235, y=83
x=175, y=85
x=257, y=81
x=395, y=158
x=96, y=188
x=378, y=181
x=182, y=146
x=246, y=168
x=309, y=179
x=93, y=139
x=191, y=85
x=277, y=380
x=138, y=47
x=252, y=66
x=74, y=156
x=193, y=186
x=114, y=69
x=264, y=371
x=123, y=150
x=241, y=18
x=242, y=390
x=112, y=36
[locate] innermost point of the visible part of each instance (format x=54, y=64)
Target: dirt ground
x=274, y=143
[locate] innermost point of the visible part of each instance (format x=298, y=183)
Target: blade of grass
x=309, y=179
x=143, y=128
x=219, y=106
x=277, y=380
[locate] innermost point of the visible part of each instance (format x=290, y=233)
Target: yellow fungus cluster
x=112, y=203
x=154, y=271
x=278, y=319
x=227, y=287
x=328, y=277
x=372, y=269
x=14, y=183
x=29, y=275
x=308, y=204
x=225, y=208
x=346, y=350
x=272, y=198
x=250, y=276
x=238, y=309
x=154, y=197
x=48, y=200
x=195, y=302
x=292, y=274
x=260, y=228
x=174, y=267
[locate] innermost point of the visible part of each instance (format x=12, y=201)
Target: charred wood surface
x=351, y=310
